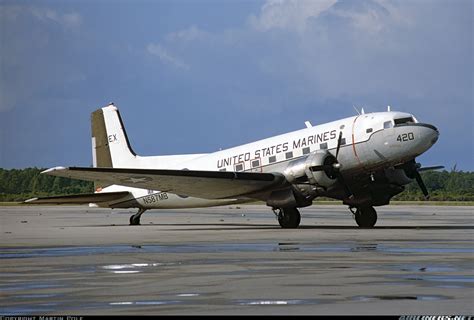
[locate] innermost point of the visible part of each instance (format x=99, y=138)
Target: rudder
x=110, y=144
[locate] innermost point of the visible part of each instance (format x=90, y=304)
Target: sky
x=197, y=76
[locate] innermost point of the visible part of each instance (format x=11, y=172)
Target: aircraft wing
x=80, y=198
x=200, y=184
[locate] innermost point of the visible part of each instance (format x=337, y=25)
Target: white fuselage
x=370, y=141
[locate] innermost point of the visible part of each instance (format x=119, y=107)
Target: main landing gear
x=135, y=219
x=288, y=218
x=366, y=216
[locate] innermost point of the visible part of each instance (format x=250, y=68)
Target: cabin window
x=272, y=159
x=239, y=167
x=343, y=141
x=306, y=150
x=255, y=163
x=387, y=124
x=369, y=130
x=323, y=145
x=404, y=120
x=289, y=155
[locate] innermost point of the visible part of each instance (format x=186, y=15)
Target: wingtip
x=53, y=169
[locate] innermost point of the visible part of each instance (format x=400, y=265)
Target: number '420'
x=406, y=137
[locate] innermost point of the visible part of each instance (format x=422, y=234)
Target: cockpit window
x=387, y=124
x=404, y=120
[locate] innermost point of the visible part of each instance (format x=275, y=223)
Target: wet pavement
x=76, y=260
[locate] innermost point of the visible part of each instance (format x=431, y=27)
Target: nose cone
x=432, y=135
x=428, y=135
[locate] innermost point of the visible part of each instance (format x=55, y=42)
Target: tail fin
x=110, y=145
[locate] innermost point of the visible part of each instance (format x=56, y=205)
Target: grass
x=11, y=204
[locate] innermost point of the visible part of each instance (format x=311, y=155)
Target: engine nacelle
x=397, y=176
x=298, y=171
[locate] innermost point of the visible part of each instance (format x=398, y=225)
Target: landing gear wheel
x=289, y=218
x=366, y=217
x=135, y=219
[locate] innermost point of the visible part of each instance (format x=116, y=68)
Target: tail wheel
x=366, y=217
x=289, y=218
x=135, y=219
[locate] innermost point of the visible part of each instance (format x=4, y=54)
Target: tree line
x=21, y=184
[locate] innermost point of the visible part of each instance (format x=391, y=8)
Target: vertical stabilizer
x=110, y=144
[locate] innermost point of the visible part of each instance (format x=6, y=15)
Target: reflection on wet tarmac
x=273, y=302
x=145, y=303
x=131, y=268
x=17, y=253
x=388, y=297
x=440, y=278
x=32, y=295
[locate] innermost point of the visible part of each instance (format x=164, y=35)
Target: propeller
x=430, y=168
x=421, y=184
x=413, y=169
x=333, y=169
x=339, y=140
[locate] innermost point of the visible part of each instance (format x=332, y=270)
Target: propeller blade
x=422, y=185
x=431, y=168
x=338, y=143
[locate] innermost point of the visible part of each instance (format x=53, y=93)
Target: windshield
x=404, y=120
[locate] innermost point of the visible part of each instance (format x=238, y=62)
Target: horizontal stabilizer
x=80, y=198
x=193, y=183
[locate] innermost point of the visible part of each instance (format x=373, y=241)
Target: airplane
x=363, y=160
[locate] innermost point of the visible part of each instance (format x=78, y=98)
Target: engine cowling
x=298, y=171
x=397, y=176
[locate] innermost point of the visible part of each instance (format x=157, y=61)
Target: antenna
x=388, y=108
x=308, y=124
x=355, y=108
x=362, y=111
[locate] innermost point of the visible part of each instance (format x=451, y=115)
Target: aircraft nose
x=433, y=134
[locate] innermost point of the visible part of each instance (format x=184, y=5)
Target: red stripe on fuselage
x=353, y=141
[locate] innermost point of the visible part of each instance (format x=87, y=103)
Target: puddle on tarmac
x=30, y=286
x=132, y=268
x=16, y=253
x=431, y=274
x=439, y=278
x=33, y=309
x=249, y=302
x=145, y=303
x=34, y=296
x=401, y=297
x=428, y=250
x=449, y=286
x=452, y=281
x=423, y=268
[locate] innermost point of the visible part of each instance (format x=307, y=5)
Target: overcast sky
x=197, y=76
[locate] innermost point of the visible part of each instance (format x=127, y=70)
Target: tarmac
x=236, y=260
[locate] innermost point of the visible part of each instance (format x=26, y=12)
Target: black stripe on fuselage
x=426, y=125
